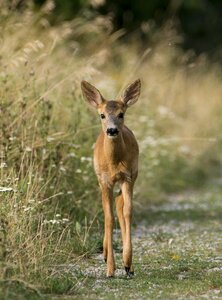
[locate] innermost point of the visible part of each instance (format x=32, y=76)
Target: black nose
x=112, y=131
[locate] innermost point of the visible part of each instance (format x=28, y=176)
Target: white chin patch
x=112, y=136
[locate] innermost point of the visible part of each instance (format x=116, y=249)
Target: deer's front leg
x=127, y=190
x=107, y=200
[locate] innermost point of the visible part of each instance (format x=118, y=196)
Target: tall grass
x=50, y=203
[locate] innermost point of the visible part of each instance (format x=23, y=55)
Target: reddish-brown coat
x=115, y=161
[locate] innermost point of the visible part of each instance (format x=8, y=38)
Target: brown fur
x=115, y=161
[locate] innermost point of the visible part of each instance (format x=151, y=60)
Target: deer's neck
x=114, y=148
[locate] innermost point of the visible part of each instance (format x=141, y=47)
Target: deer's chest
x=110, y=175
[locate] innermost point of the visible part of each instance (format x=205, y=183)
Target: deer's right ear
x=131, y=93
x=91, y=94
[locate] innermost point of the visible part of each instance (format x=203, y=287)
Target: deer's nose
x=112, y=131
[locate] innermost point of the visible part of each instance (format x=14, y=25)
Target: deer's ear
x=131, y=93
x=91, y=94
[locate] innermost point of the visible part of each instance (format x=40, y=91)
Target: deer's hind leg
x=119, y=210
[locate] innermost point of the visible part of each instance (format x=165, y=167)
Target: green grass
x=177, y=255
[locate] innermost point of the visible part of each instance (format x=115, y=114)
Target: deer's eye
x=121, y=115
x=102, y=116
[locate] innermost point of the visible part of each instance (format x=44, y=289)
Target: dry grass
x=48, y=188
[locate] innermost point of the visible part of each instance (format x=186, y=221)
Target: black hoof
x=128, y=272
x=105, y=260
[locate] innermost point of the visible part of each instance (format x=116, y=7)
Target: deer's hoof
x=110, y=274
x=129, y=272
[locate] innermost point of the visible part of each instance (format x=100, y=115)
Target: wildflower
x=28, y=208
x=176, y=257
x=78, y=171
x=71, y=154
x=64, y=220
x=62, y=169
x=28, y=149
x=3, y=165
x=51, y=222
x=83, y=159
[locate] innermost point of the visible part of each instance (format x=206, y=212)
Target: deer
x=115, y=161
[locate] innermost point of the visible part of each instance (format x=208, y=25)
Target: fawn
x=115, y=160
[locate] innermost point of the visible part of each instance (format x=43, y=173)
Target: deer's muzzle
x=112, y=131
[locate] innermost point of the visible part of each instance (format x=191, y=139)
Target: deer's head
x=111, y=112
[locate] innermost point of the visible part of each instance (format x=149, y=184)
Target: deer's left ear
x=131, y=93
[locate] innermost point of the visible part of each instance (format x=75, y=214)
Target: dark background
x=198, y=21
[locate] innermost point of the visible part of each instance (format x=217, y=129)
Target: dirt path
x=177, y=254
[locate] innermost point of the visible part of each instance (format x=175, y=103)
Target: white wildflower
x=28, y=208
x=3, y=165
x=12, y=138
x=62, y=169
x=83, y=159
x=28, y=149
x=64, y=220
x=71, y=154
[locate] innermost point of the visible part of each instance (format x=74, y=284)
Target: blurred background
x=50, y=198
